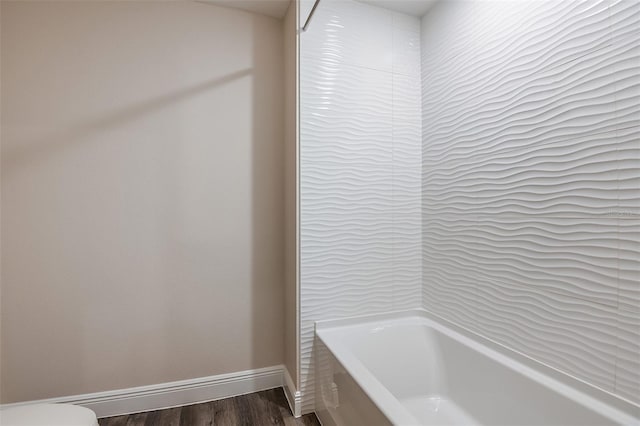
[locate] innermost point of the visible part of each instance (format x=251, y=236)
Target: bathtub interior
x=441, y=378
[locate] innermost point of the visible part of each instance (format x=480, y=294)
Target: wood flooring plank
x=278, y=405
x=255, y=409
x=308, y=420
x=137, y=419
x=278, y=400
x=114, y=421
x=265, y=408
x=105, y=421
x=290, y=421
x=225, y=413
x=243, y=411
x=197, y=415
x=167, y=417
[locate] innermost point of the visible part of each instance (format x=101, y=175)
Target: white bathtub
x=409, y=369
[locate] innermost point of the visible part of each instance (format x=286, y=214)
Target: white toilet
x=48, y=415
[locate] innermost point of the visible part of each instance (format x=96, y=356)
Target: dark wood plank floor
x=268, y=407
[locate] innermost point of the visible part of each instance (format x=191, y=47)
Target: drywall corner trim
x=172, y=394
x=294, y=397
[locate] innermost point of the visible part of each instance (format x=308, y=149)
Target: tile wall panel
x=627, y=380
x=360, y=168
x=531, y=179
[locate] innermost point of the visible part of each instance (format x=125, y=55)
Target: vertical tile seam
x=618, y=329
x=393, y=163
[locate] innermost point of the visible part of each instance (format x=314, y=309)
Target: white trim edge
x=172, y=394
x=294, y=397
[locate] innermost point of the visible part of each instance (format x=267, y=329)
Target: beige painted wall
x=291, y=198
x=142, y=194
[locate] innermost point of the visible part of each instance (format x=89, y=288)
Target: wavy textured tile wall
x=360, y=168
x=531, y=179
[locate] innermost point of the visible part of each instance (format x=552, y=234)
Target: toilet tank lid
x=48, y=415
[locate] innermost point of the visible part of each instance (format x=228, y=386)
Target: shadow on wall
x=268, y=257
x=52, y=144
x=143, y=243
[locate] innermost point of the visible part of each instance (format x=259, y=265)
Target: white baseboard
x=172, y=394
x=294, y=398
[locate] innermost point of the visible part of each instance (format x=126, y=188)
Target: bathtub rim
x=605, y=402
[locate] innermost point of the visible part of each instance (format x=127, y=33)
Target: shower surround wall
x=531, y=180
x=360, y=167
